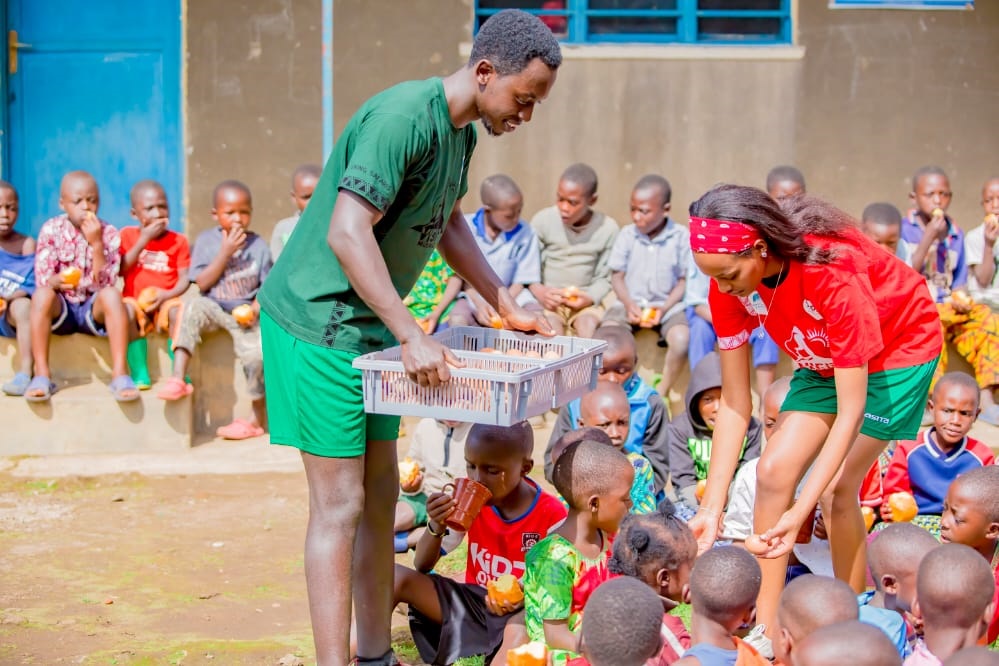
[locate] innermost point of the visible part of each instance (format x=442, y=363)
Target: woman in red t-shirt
x=865, y=337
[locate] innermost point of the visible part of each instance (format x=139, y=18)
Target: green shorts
x=314, y=397
x=418, y=503
x=896, y=399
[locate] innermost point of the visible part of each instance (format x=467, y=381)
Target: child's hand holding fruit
x=504, y=595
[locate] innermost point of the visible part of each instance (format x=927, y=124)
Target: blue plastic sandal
x=123, y=389
x=17, y=385
x=40, y=389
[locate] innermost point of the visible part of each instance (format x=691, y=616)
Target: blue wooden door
x=92, y=85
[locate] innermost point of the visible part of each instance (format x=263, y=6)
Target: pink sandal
x=239, y=429
x=174, y=389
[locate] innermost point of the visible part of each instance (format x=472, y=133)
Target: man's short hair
x=929, y=170
x=809, y=602
x=587, y=468
x=511, y=39
x=954, y=586
x=982, y=483
x=898, y=549
x=655, y=181
x=498, y=188
x=852, y=642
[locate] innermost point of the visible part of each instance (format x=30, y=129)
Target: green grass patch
x=454, y=562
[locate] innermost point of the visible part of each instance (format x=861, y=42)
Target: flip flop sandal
x=42, y=386
x=174, y=389
x=239, y=429
x=123, y=389
x=18, y=385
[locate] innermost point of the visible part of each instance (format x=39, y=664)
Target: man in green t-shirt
x=389, y=195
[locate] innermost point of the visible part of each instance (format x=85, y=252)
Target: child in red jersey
x=865, y=337
x=450, y=620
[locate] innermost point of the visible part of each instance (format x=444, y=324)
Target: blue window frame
x=902, y=4
x=656, y=21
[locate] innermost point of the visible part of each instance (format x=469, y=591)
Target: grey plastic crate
x=492, y=388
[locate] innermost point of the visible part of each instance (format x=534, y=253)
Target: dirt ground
x=172, y=568
x=111, y=567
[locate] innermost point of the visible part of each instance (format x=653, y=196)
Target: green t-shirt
x=402, y=154
x=558, y=580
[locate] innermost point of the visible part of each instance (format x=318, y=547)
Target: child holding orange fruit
x=76, y=267
x=451, y=620
x=927, y=466
x=229, y=264
x=17, y=283
x=154, y=265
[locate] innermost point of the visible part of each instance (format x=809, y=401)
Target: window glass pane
x=739, y=4
x=511, y=4
x=558, y=24
x=711, y=29
x=640, y=25
x=632, y=4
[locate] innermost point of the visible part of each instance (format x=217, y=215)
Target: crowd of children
x=84, y=275
x=629, y=474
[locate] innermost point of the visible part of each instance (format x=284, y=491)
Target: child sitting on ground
x=621, y=625
x=303, y=184
x=648, y=266
x=893, y=558
x=927, y=466
x=228, y=263
x=76, y=268
x=690, y=433
x=659, y=550
x=154, y=265
x=971, y=517
x=432, y=297
x=451, y=620
x=723, y=587
x=807, y=603
x=509, y=245
x=606, y=408
x=851, y=642
x=575, y=242
x=954, y=590
x=648, y=419
x=564, y=568
x=438, y=447
x=17, y=284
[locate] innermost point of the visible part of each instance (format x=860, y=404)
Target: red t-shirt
x=497, y=546
x=993, y=632
x=158, y=262
x=866, y=306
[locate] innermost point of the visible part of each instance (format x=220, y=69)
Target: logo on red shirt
x=799, y=348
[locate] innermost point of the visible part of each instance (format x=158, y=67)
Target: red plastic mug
x=469, y=498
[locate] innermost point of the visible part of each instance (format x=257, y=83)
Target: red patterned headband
x=708, y=236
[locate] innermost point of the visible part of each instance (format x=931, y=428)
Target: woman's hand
x=705, y=525
x=780, y=538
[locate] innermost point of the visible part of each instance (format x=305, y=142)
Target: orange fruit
x=756, y=545
x=868, y=514
x=532, y=354
x=513, y=351
x=505, y=589
x=3, y=305
x=147, y=296
x=650, y=317
x=699, y=489
x=409, y=469
x=243, y=314
x=71, y=275
x=488, y=350
x=903, y=507
x=534, y=653
x=496, y=322
x=962, y=298
x=937, y=212
x=552, y=355
x=992, y=218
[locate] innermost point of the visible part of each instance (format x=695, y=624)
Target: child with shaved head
x=807, y=603
x=954, y=591
x=648, y=420
x=723, y=587
x=893, y=558
x=971, y=517
x=565, y=567
x=621, y=624
x=606, y=408
x=851, y=642
x=508, y=243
